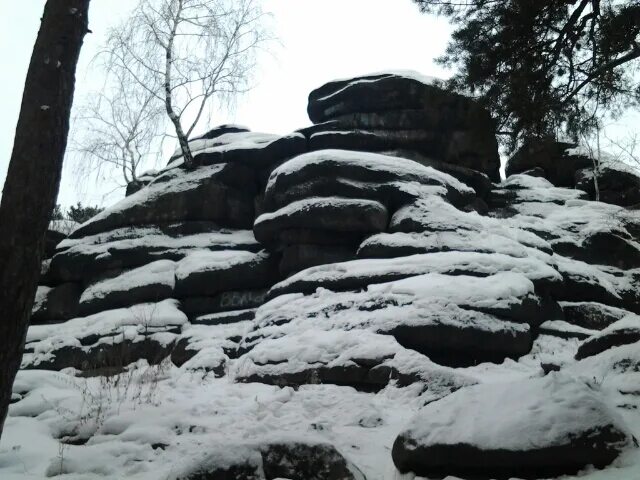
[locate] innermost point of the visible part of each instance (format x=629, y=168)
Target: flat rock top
x=374, y=92
x=336, y=85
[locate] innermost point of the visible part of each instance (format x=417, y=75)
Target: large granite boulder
x=331, y=285
x=534, y=428
x=272, y=460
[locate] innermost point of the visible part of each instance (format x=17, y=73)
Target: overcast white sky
x=318, y=40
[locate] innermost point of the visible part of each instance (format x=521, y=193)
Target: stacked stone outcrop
x=376, y=249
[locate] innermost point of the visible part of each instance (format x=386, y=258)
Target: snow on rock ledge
x=82, y=258
x=358, y=170
x=150, y=283
x=359, y=273
x=112, y=338
x=255, y=150
x=360, y=359
x=327, y=214
x=206, y=273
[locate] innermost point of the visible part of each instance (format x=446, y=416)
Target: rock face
x=556, y=159
x=55, y=304
x=58, y=230
x=617, y=184
x=570, y=165
x=375, y=251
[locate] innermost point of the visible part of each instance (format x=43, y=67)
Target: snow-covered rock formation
x=363, y=298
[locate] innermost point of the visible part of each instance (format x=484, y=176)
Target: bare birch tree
x=117, y=131
x=628, y=149
x=595, y=153
x=190, y=55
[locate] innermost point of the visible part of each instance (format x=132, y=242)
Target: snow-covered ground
x=156, y=421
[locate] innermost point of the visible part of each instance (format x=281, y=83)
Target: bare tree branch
x=194, y=56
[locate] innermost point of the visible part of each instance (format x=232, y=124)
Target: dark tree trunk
x=33, y=178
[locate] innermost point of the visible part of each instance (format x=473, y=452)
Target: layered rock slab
x=556, y=159
x=357, y=274
x=109, y=339
x=602, y=176
x=84, y=258
x=329, y=214
x=207, y=273
x=405, y=110
x=176, y=195
x=150, y=283
x=259, y=151
x=358, y=358
x=485, y=318
x=390, y=180
x=621, y=332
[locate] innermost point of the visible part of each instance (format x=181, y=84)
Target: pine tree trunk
x=33, y=177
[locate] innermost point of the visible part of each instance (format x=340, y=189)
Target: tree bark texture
x=33, y=178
